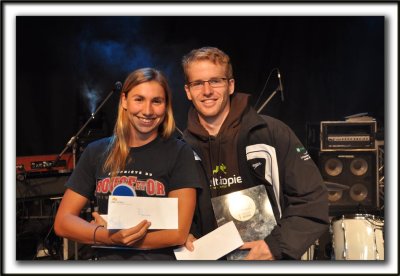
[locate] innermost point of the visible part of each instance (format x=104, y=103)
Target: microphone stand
x=269, y=98
x=72, y=141
x=279, y=88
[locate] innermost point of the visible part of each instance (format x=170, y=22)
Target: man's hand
x=189, y=242
x=259, y=250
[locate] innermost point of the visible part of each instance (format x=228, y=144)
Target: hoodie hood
x=238, y=104
x=219, y=153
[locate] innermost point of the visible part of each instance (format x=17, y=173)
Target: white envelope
x=127, y=211
x=212, y=246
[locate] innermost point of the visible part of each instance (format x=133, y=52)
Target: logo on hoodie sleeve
x=303, y=153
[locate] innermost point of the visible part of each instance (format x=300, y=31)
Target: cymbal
x=332, y=186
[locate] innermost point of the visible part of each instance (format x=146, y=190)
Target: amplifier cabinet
x=348, y=135
x=352, y=180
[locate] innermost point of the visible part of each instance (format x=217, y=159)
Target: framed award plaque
x=250, y=210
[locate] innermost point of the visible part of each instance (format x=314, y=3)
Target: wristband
x=94, y=233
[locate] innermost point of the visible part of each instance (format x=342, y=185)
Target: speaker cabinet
x=352, y=181
x=41, y=185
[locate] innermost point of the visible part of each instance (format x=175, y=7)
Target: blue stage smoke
x=92, y=96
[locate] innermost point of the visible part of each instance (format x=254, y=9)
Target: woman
x=141, y=155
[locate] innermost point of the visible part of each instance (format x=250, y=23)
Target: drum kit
x=358, y=236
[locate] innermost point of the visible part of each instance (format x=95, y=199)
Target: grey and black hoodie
x=249, y=150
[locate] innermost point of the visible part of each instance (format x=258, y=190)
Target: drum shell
x=358, y=237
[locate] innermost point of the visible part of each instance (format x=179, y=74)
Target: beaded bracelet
x=94, y=233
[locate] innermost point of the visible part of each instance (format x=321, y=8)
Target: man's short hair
x=212, y=54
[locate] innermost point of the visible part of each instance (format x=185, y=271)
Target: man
x=223, y=129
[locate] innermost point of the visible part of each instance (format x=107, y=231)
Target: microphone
x=117, y=87
x=280, y=88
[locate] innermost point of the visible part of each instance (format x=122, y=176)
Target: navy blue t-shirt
x=152, y=170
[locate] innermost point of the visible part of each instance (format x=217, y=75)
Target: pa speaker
x=351, y=179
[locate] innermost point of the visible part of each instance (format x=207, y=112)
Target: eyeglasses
x=214, y=83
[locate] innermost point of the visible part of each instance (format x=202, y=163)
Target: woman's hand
x=98, y=219
x=126, y=237
x=130, y=236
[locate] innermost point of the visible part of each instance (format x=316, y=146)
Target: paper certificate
x=212, y=246
x=127, y=211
